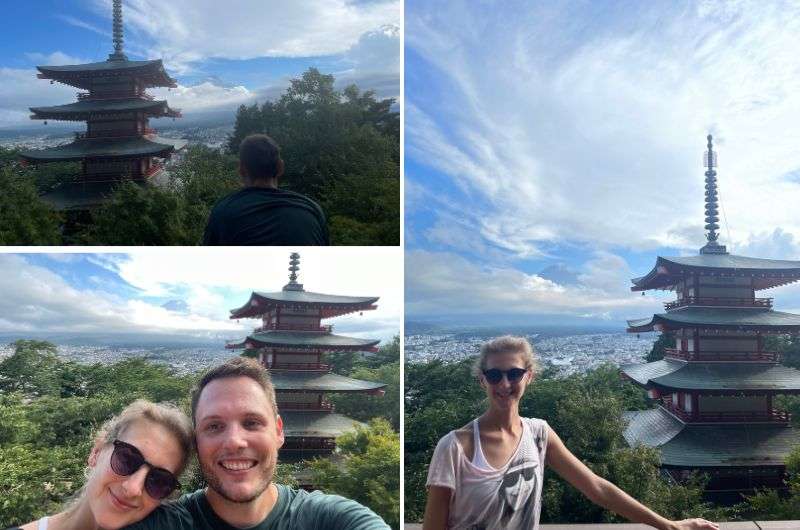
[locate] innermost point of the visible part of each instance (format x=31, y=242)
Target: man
x=238, y=433
x=260, y=213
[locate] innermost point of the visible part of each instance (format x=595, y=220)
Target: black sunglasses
x=127, y=459
x=495, y=375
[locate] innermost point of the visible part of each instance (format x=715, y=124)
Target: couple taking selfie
x=235, y=428
x=488, y=474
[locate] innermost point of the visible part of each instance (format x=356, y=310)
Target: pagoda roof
x=127, y=147
x=332, y=305
x=152, y=73
x=306, y=340
x=81, y=110
x=718, y=317
x=695, y=446
x=767, y=272
x=316, y=424
x=715, y=376
x=320, y=382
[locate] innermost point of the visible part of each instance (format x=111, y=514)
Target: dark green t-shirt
x=294, y=509
x=266, y=216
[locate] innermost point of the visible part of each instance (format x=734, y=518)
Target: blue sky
x=187, y=291
x=554, y=149
x=223, y=54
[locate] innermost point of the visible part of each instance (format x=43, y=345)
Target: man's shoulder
x=321, y=511
x=178, y=514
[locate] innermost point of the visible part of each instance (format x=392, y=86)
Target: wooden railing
x=719, y=301
x=318, y=367
x=296, y=443
x=325, y=406
x=710, y=357
x=771, y=416
x=118, y=95
x=295, y=327
x=115, y=134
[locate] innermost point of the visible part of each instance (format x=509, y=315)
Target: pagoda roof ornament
x=118, y=54
x=294, y=266
x=712, y=203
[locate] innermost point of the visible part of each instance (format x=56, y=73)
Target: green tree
x=664, y=341
x=24, y=218
x=369, y=472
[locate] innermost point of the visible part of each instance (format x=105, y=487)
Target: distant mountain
x=560, y=273
x=210, y=339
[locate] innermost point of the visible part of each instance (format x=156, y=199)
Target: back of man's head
x=260, y=157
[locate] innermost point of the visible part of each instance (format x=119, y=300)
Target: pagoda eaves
x=149, y=73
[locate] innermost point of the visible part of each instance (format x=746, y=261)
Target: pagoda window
x=687, y=402
x=675, y=397
x=298, y=397
x=727, y=343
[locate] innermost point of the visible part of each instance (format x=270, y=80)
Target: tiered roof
x=687, y=434
x=704, y=445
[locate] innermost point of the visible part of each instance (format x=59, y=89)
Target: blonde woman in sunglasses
x=488, y=475
x=134, y=464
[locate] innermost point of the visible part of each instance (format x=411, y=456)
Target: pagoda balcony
x=311, y=367
x=713, y=357
x=325, y=406
x=762, y=303
x=115, y=134
x=298, y=443
x=83, y=96
x=771, y=416
x=154, y=169
x=295, y=327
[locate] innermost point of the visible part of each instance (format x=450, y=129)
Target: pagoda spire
x=118, y=54
x=712, y=203
x=294, y=266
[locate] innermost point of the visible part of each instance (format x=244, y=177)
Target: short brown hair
x=237, y=367
x=260, y=156
x=505, y=344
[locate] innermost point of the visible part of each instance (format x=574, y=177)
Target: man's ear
x=280, y=169
x=279, y=428
x=242, y=170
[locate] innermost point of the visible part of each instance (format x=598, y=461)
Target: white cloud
x=186, y=31
x=20, y=89
x=204, y=96
x=56, y=58
x=571, y=122
x=445, y=283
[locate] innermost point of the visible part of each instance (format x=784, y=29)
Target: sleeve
x=337, y=513
x=442, y=469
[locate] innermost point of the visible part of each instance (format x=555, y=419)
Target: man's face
x=238, y=437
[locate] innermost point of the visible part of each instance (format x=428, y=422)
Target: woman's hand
x=694, y=524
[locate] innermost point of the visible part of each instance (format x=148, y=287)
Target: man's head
x=237, y=430
x=260, y=160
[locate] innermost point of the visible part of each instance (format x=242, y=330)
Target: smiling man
x=238, y=433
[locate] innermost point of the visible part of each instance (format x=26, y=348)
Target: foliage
x=340, y=148
x=664, y=341
x=369, y=471
x=383, y=366
x=49, y=411
x=24, y=218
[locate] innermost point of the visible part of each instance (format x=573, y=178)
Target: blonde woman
x=133, y=466
x=488, y=474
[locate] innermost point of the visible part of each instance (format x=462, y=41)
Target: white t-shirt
x=509, y=497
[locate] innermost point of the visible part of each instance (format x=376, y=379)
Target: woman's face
x=117, y=501
x=506, y=393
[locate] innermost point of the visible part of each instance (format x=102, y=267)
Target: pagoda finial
x=712, y=203
x=294, y=266
x=118, y=54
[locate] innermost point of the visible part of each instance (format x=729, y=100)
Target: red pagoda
x=715, y=390
x=118, y=143
x=290, y=343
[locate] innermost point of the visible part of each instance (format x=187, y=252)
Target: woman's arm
x=604, y=493
x=437, y=509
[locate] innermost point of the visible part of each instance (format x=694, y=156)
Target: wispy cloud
x=78, y=23
x=585, y=122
